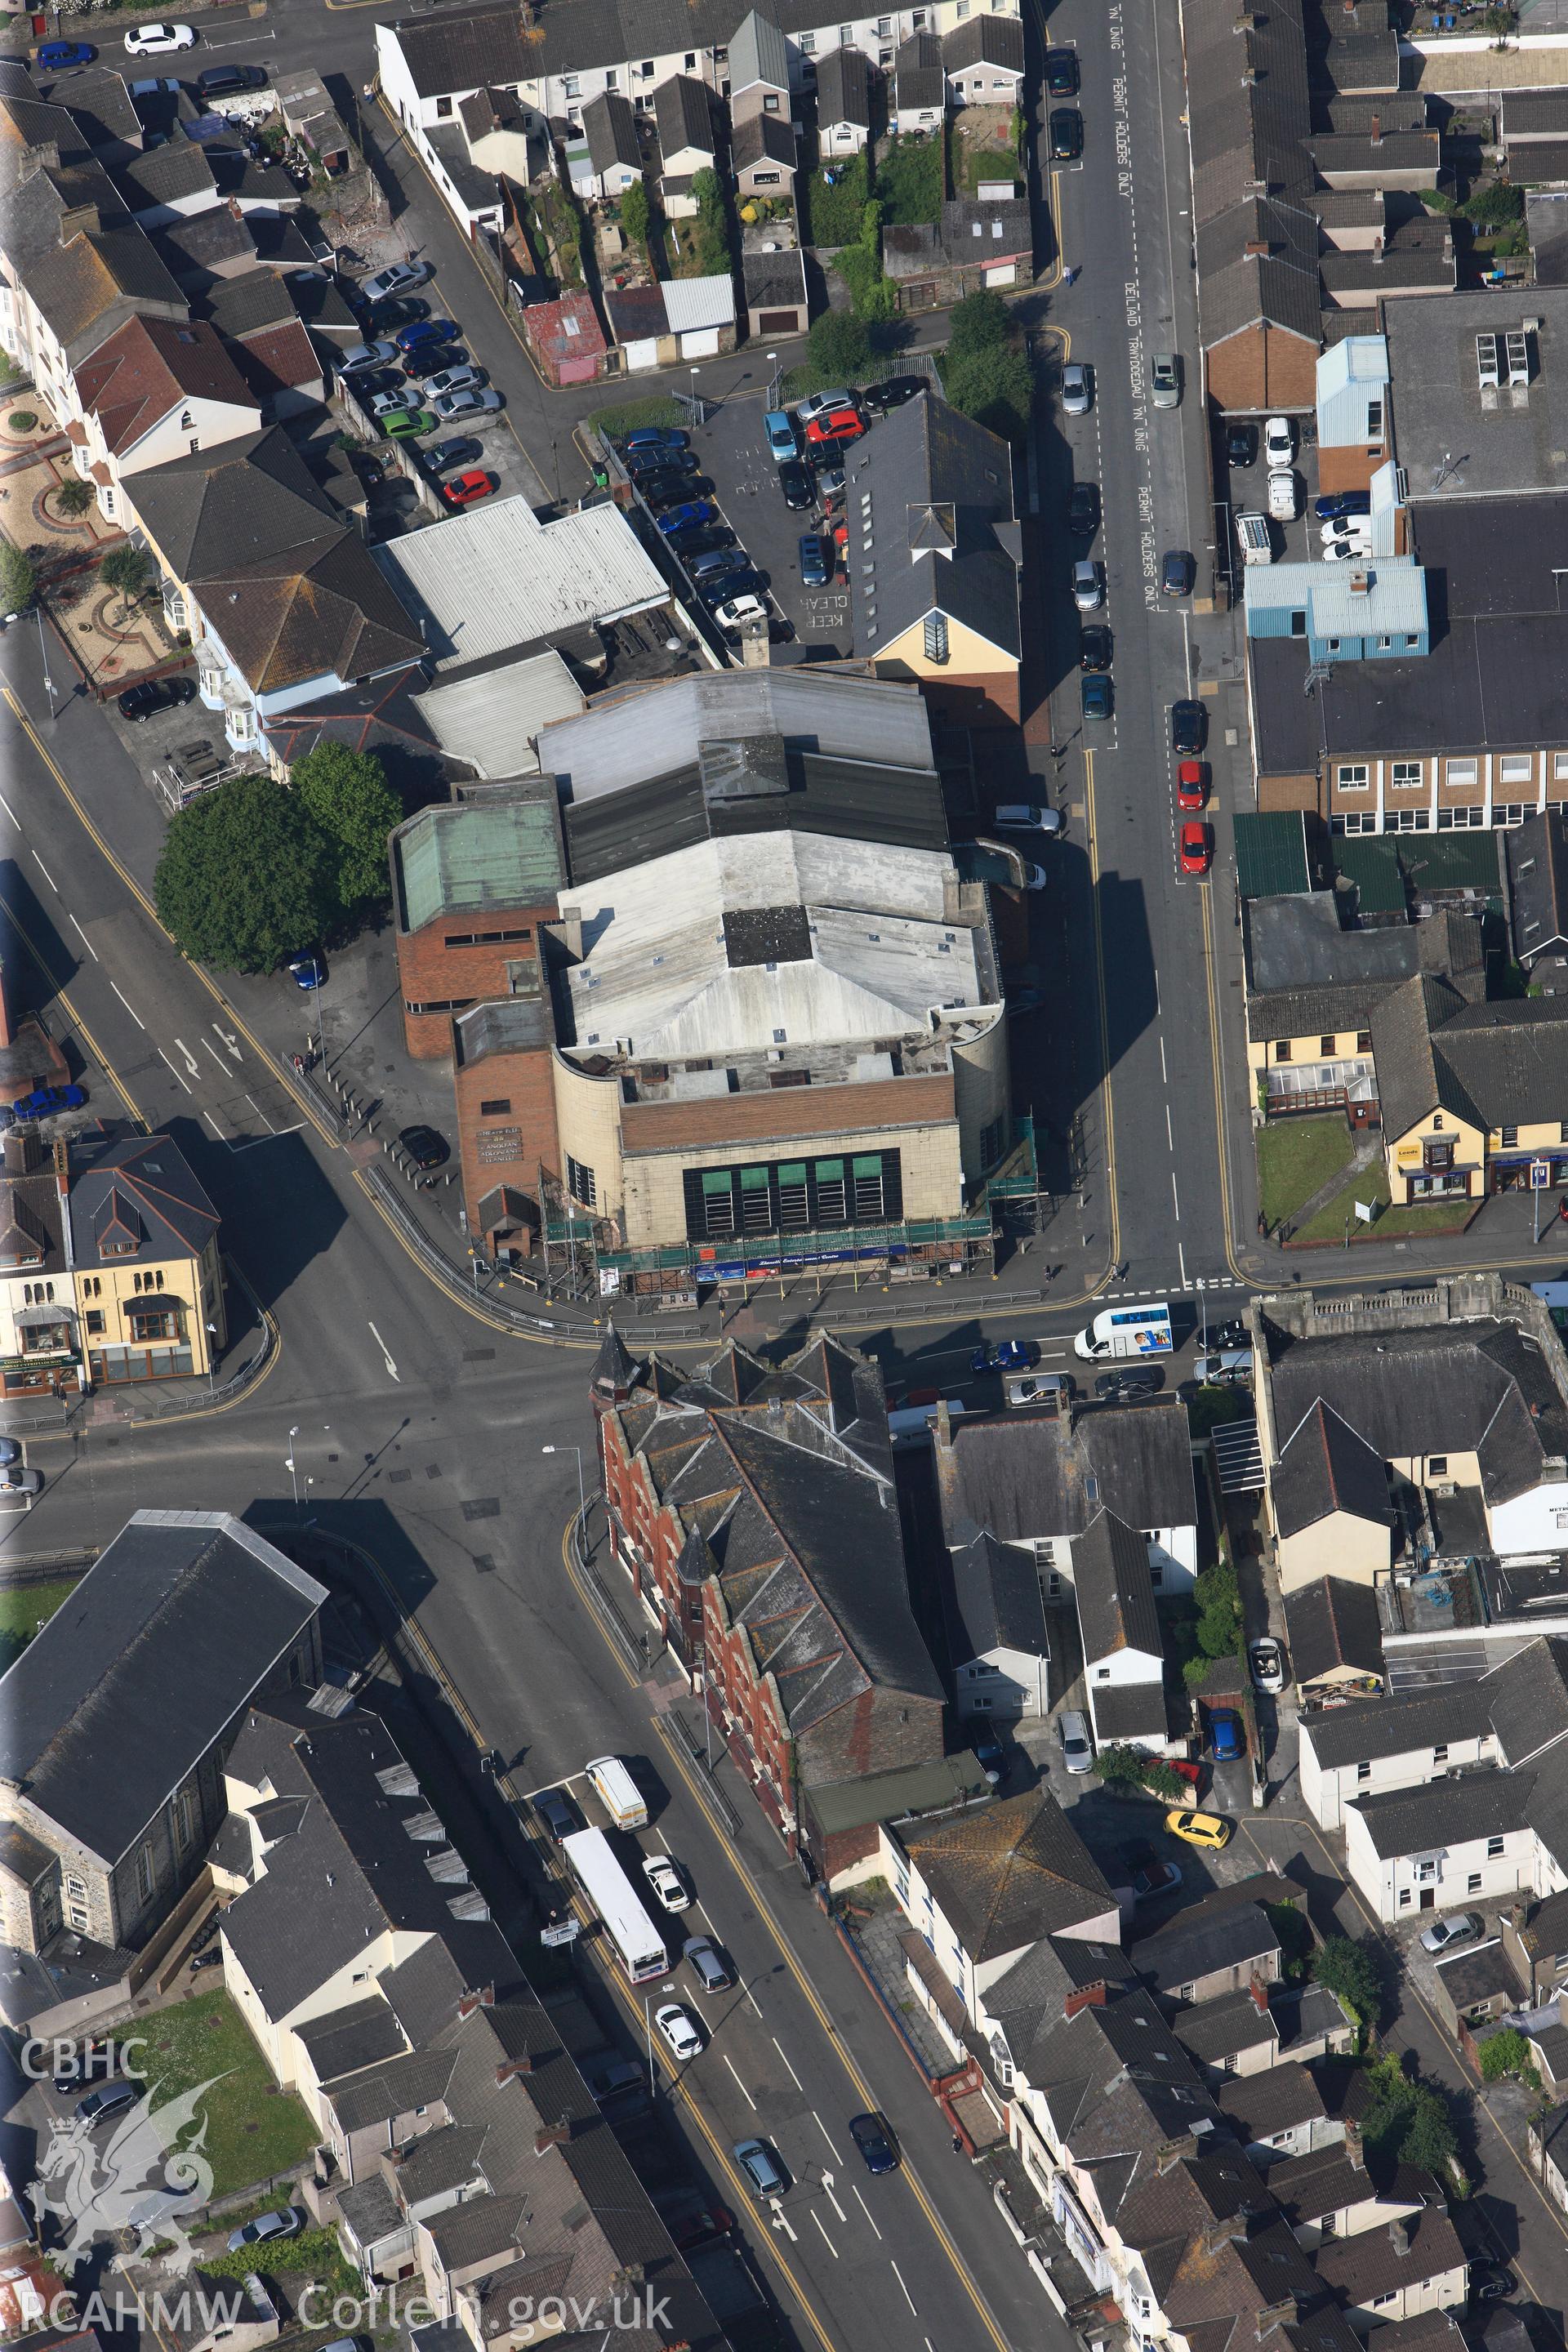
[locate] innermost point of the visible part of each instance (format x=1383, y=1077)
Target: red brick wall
x=522, y=1080
x=790, y=1110
x=429, y=971
x=1263, y=367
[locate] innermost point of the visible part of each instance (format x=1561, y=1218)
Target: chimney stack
x=509, y=2067
x=484, y=1997
x=1377, y=129
x=1353, y=2145
x=554, y=2134
x=1399, y=2236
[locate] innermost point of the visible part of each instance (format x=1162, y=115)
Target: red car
x=841, y=425
x=1197, y=848
x=464, y=488
x=1192, y=783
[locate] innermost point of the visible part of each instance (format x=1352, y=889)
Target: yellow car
x=1201, y=1829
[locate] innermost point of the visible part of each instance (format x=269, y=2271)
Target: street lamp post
x=44, y=652
x=289, y=1466
x=581, y=1499
x=648, y=2022
x=774, y=380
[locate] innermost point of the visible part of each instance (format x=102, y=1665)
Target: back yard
x=254, y=2130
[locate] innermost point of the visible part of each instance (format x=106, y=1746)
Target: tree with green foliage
x=1407, y=2120
x=1508, y=2053
x=246, y=876
x=126, y=571
x=18, y=580
x=1218, y=1599
x=74, y=497
x=1428, y=2138
x=713, y=230
x=1495, y=204
x=349, y=796
x=636, y=212
x=1347, y=1968
x=840, y=346
x=978, y=323
x=995, y=385
x=1118, y=1764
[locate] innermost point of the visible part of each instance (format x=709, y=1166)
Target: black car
x=430, y=359
x=1062, y=72
x=97, y=2063
x=873, y=2136
x=1067, y=134
x=1083, y=510
x=897, y=390
x=1491, y=2281
x=1126, y=1388
x=714, y=563
x=639, y=462
x=697, y=538
x=424, y=1147
x=461, y=451
x=1228, y=1335
x=155, y=694
x=401, y=310
x=102, y=2107
x=715, y=592
x=1096, y=647
x=1186, y=729
x=796, y=484
x=227, y=82
x=1177, y=572
x=1240, y=445
x=557, y=1812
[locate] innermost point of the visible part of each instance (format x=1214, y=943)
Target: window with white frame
x=1516, y=768
x=1407, y=775
x=1461, y=771
x=1460, y=820
x=1510, y=811
x=1351, y=776
x=1407, y=820
x=1367, y=823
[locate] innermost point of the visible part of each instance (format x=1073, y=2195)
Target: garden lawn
x=1392, y=1224
x=254, y=2130
x=23, y=1609
x=1295, y=1157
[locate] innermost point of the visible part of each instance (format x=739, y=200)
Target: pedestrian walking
x=1069, y=273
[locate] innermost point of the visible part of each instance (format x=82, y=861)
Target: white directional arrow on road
x=229, y=1039
x=191, y=1063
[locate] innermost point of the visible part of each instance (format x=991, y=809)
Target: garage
x=641, y=354
x=703, y=345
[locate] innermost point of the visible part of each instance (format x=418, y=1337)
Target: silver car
x=1078, y=390
x=362, y=357
x=19, y=1486
x=450, y=405
x=1444, y=1933
x=1164, y=381
x=1087, y=586
x=454, y=379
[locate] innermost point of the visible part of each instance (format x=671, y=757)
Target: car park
x=1087, y=586
x=1284, y=494
x=1062, y=73
x=449, y=380
x=557, y=1812
x=1196, y=846
x=821, y=404
x=873, y=2136
x=707, y=1964
x=668, y=489
x=43, y=1102
x=102, y=2107
x=1210, y=1830
x=399, y=277
x=742, y=580
x=286, y=2222
x=1266, y=1663
x=155, y=694
x=227, y=81
x=398, y=310
x=815, y=559
x=1458, y=1927
x=1335, y=503
x=832, y=431
x=1078, y=389
x=408, y=425
x=697, y=539
x=1078, y=1748
x=740, y=612
x=54, y=56
x=362, y=359
x=157, y=40
x=666, y=1882
x=760, y=2167
x=1164, y=380
x=895, y=392
x=1186, y=729
x=796, y=485
x=1083, y=510
x=784, y=442
x=1067, y=134
x=1126, y=1388
x=1279, y=440
x=467, y=489
x=692, y=510
x=827, y=475
x=1096, y=648
x=681, y=2032
x=1096, y=695
x=469, y=402
x=1007, y=1356
x=1345, y=551
x=1025, y=816
x=1192, y=783
x=1226, y=1734
x=718, y=561
x=1177, y=572
x=1240, y=444
x=1346, y=527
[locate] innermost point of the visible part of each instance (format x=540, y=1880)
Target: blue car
x=55, y=56
x=1334, y=504
x=424, y=333
x=783, y=443
x=657, y=436
x=684, y=517
x=1226, y=1732
x=44, y=1100
x=815, y=559
x=1096, y=690
x=1007, y=1356
x=307, y=971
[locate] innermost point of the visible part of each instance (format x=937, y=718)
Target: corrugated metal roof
x=1394, y=601
x=1271, y=860
x=492, y=720
x=692, y=303
x=496, y=577
x=506, y=854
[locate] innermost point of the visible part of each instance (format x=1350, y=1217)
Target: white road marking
x=83, y=937
x=780, y=2218
x=129, y=1006
x=10, y=811
x=827, y=2180
x=45, y=872
x=752, y=1997
x=215, y=1127
x=213, y=1050
x=1175, y=1196
x=385, y=1351
x=898, y=2274
x=749, y=2101
x=1163, y=1072
x=262, y=1115
x=1182, y=1260
x=822, y=2128
x=1169, y=1137
x=795, y=2078
x=563, y=1780
x=230, y=1040
x=173, y=1072
x=191, y=1063
x=867, y=2210
x=825, y=2239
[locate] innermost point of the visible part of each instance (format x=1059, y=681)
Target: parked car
x=1346, y=527
x=669, y=489
x=681, y=2033
x=1458, y=1928
x=1083, y=510
x=1126, y=1388
x=893, y=393
x=1062, y=73
x=1192, y=783
x=1177, y=572
x=459, y=451
x=155, y=694
x=1334, y=503
x=1240, y=444
x=1197, y=847
x=156, y=40
x=393, y=404
x=692, y=2217
x=1164, y=380
x=445, y=381
x=697, y=539
x=796, y=485
x=102, y=2107
x=784, y=442
x=97, y=2062
x=1279, y=440
x=227, y=81
x=666, y=1882
x=657, y=436
x=832, y=431
x=1096, y=695
x=740, y=612
x=1025, y=816
x=1491, y=2281
x=1078, y=1748
x=425, y=1145
x=360, y=359
x=1346, y=551
x=558, y=1814
x=467, y=489
x=821, y=404
x=1006, y=1356
x=427, y=334
x=1266, y=1663
x=827, y=474
x=399, y=311
x=873, y=2136
x=399, y=277
x=760, y=2167
x=693, y=511
x=815, y=559
x=1284, y=494
x=1096, y=647
x=1154, y=1879
x=307, y=971
x=641, y=463
x=1226, y=1734
x=54, y=56
x=742, y=579
x=469, y=402
x=1210, y=1830
x=708, y=1964
x=1067, y=134
x=10, y=1451
x=1186, y=729
x=1087, y=586
x=286, y=2222
x=719, y=561
x=1078, y=389
x=45, y=1101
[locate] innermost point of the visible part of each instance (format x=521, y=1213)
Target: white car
x=1078, y=390
x=740, y=612
x=1284, y=494
x=1267, y=1660
x=152, y=41
x=449, y=405
x=362, y=357
x=819, y=404
x=1022, y=816
x=399, y=277
x=1346, y=551
x=666, y=1881
x=1164, y=380
x=18, y=1488
x=681, y=2031
x=1346, y=526
x=1278, y=441
x=1087, y=586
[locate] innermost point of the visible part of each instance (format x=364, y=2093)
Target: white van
x=617, y=1792
x=1223, y=1367
x=1284, y=494
x=1255, y=539
x=1127, y=1331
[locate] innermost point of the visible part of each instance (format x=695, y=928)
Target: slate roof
x=1113, y=1590
x=986, y=39
x=1007, y=1874
x=170, y=1216
x=1333, y=1623
x=1545, y=1934
x=89, y=283
x=360, y=2035
x=1537, y=852
x=1119, y=2087
x=774, y=280
x=1027, y=1478
x=1368, y=1728
x=1212, y=2031
x=1262, y=2105
x=1194, y=1945
x=996, y=1591
x=762, y=139
x=1239, y=288
x=1029, y=1997
x=1133, y=1711
x=1359, y=2269
x=182, y=1615
x=844, y=87
x=180, y=168
x=918, y=74
x=150, y=366
x=1445, y=1812
x=467, y=48
x=683, y=111
x=610, y=126
x=926, y=467
x=1325, y=1467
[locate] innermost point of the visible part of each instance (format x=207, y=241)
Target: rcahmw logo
x=150, y=2172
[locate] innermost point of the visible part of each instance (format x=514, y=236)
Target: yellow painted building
x=145, y=1267
x=1473, y=1095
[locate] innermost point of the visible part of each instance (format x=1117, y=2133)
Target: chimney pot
x=1377, y=129
x=554, y=2134
x=1399, y=2236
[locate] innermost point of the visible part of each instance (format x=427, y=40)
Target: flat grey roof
x=1450, y=446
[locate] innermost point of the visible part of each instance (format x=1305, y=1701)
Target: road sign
x=1365, y=1212
x=566, y=1933
x=1540, y=1175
